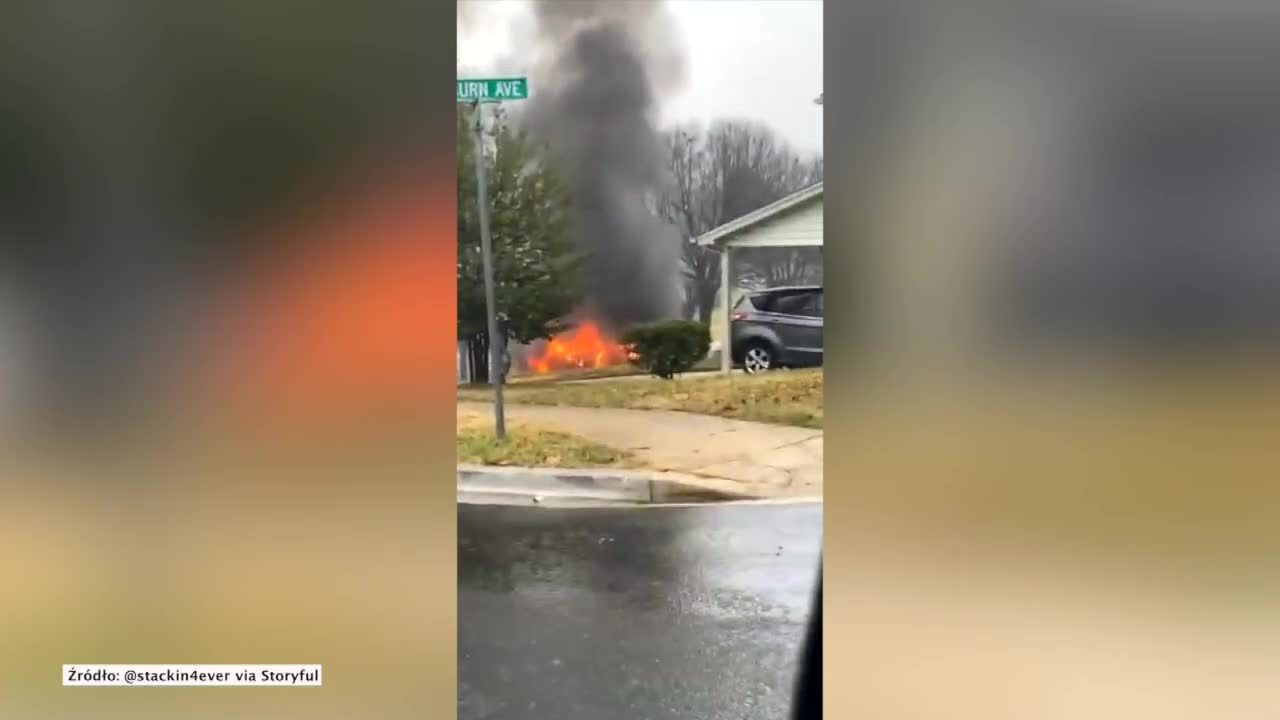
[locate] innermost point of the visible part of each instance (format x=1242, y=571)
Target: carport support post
x=490, y=302
x=726, y=340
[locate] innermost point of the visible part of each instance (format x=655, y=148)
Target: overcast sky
x=753, y=59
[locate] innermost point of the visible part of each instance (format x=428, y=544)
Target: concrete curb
x=522, y=485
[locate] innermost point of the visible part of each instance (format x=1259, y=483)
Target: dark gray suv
x=780, y=327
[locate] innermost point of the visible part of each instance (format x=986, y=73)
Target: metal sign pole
x=490, y=301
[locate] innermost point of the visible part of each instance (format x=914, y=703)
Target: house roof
x=771, y=210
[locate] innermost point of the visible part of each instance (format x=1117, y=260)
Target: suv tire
x=758, y=356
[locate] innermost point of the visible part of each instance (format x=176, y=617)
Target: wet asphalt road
x=633, y=614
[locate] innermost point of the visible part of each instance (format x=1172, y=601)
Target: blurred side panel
x=227, y=322
x=1052, y=359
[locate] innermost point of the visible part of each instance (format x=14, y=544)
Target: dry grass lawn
x=786, y=397
x=529, y=446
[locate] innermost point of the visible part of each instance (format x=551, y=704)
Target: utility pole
x=496, y=344
x=476, y=93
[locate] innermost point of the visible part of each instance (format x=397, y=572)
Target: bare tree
x=694, y=204
x=717, y=176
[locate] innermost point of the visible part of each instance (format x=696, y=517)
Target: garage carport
x=793, y=221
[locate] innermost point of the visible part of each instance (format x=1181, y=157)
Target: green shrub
x=667, y=349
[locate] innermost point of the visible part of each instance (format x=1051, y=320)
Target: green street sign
x=490, y=90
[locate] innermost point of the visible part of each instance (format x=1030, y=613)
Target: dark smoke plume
x=594, y=99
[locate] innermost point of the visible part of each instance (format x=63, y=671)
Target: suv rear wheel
x=758, y=357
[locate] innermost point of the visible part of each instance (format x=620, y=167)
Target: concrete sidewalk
x=766, y=460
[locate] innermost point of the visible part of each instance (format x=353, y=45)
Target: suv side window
x=792, y=304
x=809, y=304
x=804, y=304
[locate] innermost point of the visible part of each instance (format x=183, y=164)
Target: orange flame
x=585, y=346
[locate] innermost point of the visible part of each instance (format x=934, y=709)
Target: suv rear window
x=763, y=302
